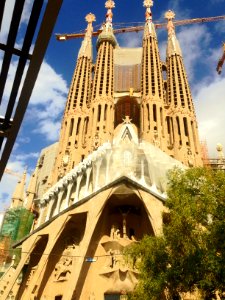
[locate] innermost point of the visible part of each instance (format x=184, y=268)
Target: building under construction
x=103, y=186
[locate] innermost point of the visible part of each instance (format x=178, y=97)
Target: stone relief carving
x=115, y=232
x=96, y=141
x=63, y=269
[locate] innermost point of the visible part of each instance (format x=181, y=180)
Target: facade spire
x=101, y=125
x=86, y=47
x=31, y=189
x=107, y=28
x=73, y=135
x=19, y=192
x=153, y=127
x=181, y=119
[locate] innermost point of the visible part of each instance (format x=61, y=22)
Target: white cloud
x=48, y=102
x=192, y=41
x=131, y=39
x=210, y=107
x=49, y=86
x=180, y=11
x=49, y=128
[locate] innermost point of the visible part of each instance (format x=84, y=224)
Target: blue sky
x=201, y=46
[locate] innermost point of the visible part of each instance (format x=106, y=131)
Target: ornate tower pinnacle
x=109, y=5
x=107, y=28
x=148, y=15
x=86, y=47
x=173, y=44
x=149, y=29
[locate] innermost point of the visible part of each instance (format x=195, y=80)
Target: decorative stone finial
x=148, y=14
x=170, y=15
x=109, y=4
x=149, y=29
x=90, y=18
x=148, y=3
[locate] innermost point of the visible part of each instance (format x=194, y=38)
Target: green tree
x=190, y=255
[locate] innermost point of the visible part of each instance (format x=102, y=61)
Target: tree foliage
x=190, y=255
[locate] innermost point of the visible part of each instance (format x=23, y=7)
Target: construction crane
x=221, y=61
x=67, y=36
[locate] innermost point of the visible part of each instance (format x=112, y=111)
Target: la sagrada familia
x=129, y=118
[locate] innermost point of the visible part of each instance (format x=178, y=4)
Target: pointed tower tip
x=109, y=4
x=173, y=44
x=149, y=29
x=148, y=14
x=86, y=47
x=90, y=18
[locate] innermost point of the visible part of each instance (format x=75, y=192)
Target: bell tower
x=152, y=84
x=73, y=136
x=181, y=119
x=102, y=103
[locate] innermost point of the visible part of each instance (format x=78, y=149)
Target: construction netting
x=17, y=223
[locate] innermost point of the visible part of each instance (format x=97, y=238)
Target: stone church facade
x=129, y=118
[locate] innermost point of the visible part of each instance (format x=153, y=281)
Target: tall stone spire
x=102, y=104
x=31, y=190
x=19, y=192
x=181, y=119
x=73, y=139
x=152, y=84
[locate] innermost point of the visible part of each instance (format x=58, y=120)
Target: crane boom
x=8, y=171
x=67, y=36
